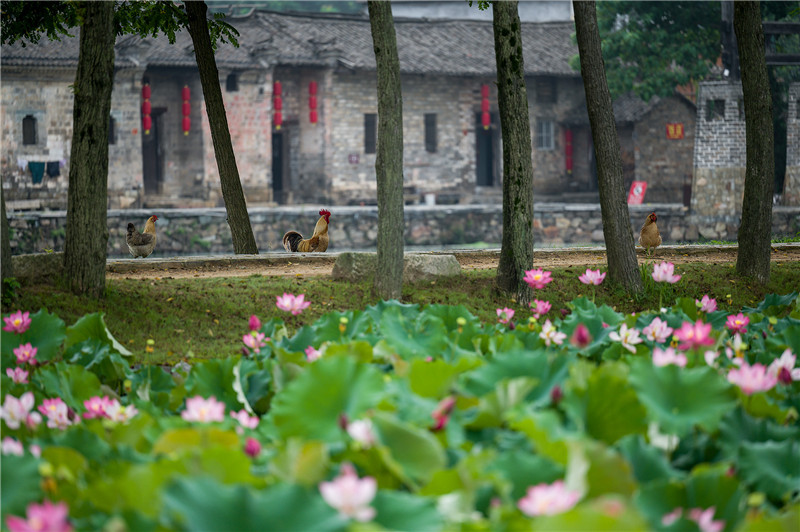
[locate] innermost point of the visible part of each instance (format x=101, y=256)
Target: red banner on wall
x=675, y=131
x=636, y=194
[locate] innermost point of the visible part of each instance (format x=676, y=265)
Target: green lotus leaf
x=46, y=333
x=301, y=462
x=93, y=326
x=772, y=304
x=397, y=510
x=154, y=385
x=358, y=349
x=311, y=404
x=189, y=439
x=545, y=432
x=133, y=487
x=413, y=454
x=418, y=338
x=608, y=513
x=20, y=484
x=98, y=358
x=203, y=504
x=432, y=379
x=360, y=325
x=738, y=427
x=607, y=407
x=214, y=378
x=73, y=384
x=681, y=398
x=449, y=315
x=649, y=463
x=771, y=467
x=785, y=521
x=523, y=469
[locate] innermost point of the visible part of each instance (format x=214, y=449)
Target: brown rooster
x=142, y=244
x=649, y=237
x=293, y=241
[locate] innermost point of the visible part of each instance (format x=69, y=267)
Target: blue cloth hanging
x=53, y=169
x=37, y=171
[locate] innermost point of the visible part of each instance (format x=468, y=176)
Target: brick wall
x=791, y=184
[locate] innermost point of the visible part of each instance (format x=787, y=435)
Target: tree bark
x=516, y=254
x=389, y=161
x=755, y=231
x=620, y=248
x=87, y=194
x=235, y=205
x=6, y=269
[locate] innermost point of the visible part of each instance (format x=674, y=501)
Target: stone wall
x=202, y=231
x=791, y=184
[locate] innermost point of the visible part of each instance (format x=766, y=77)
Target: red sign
x=636, y=195
x=675, y=131
x=352, y=158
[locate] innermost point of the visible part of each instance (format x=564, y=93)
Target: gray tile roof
x=425, y=47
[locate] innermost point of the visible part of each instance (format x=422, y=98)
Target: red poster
x=675, y=131
x=636, y=195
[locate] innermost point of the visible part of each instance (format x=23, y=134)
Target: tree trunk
x=235, y=205
x=389, y=161
x=755, y=230
x=516, y=254
x=6, y=270
x=87, y=194
x=620, y=248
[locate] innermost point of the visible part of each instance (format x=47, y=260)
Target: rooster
x=142, y=244
x=649, y=237
x=293, y=241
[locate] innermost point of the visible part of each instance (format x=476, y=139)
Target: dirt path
x=285, y=264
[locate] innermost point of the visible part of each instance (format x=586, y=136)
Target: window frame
x=545, y=140
x=370, y=133
x=430, y=133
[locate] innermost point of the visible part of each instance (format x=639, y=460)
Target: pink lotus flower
x=664, y=357
x=120, y=414
x=57, y=413
x=540, y=308
x=441, y=413
x=783, y=368
x=291, y=303
x=705, y=520
x=17, y=322
x=255, y=340
x=362, y=431
x=628, y=337
x=245, y=419
x=581, y=336
x=551, y=335
x=592, y=277
x=350, y=495
x=15, y=411
x=537, y=278
x=26, y=354
x=47, y=517
x=312, y=354
x=18, y=375
x=548, y=499
x=96, y=407
x=254, y=323
x=252, y=447
x=706, y=304
x=694, y=335
x=737, y=323
x=12, y=446
x=658, y=331
x=504, y=315
x=752, y=379
x=203, y=410
x=665, y=273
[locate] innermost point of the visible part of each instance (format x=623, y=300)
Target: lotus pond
x=401, y=417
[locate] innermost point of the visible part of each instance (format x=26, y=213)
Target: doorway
x=281, y=184
x=485, y=148
x=153, y=154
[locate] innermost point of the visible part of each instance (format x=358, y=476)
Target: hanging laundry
x=53, y=169
x=22, y=163
x=37, y=171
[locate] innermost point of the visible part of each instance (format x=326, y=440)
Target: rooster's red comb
x=323, y=212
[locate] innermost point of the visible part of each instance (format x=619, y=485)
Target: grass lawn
x=206, y=318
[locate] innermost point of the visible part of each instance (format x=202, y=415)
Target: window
x=715, y=110
x=370, y=132
x=231, y=83
x=740, y=104
x=546, y=90
x=430, y=132
x=29, y=130
x=544, y=135
x=112, y=130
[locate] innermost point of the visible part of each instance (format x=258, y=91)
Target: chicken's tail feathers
x=291, y=239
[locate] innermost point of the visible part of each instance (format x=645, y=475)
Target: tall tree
x=389, y=161
x=620, y=251
x=755, y=230
x=6, y=270
x=235, y=205
x=87, y=193
x=516, y=253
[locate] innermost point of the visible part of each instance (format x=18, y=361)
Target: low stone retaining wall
x=205, y=231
